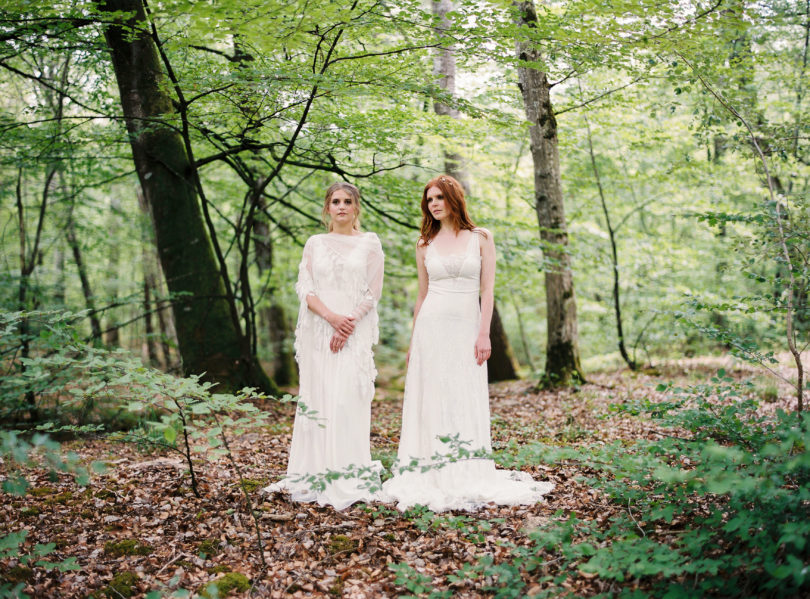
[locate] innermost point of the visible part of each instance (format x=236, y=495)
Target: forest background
x=643, y=166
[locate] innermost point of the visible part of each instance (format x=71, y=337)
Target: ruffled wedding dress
x=445, y=415
x=330, y=455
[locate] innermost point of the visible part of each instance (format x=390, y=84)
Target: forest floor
x=141, y=517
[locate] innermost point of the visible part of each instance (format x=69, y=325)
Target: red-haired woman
x=339, y=283
x=443, y=461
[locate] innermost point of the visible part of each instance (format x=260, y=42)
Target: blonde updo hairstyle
x=355, y=195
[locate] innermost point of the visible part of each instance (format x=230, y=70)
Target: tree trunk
x=444, y=70
x=614, y=253
x=208, y=333
x=501, y=366
x=562, y=349
x=112, y=336
x=284, y=370
x=89, y=301
x=149, y=327
x=153, y=279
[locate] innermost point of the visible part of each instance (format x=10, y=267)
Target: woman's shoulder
x=485, y=233
x=371, y=238
x=314, y=238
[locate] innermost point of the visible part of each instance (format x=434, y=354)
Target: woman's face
x=342, y=208
x=436, y=204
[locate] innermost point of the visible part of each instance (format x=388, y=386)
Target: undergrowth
x=719, y=507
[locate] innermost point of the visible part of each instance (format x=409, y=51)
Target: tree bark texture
x=444, y=71
x=501, y=366
x=209, y=337
x=562, y=349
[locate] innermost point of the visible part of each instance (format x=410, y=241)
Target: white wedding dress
x=330, y=455
x=445, y=415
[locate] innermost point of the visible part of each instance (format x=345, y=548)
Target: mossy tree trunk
x=502, y=365
x=209, y=337
x=562, y=349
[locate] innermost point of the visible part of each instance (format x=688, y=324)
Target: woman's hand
x=342, y=324
x=337, y=342
x=483, y=349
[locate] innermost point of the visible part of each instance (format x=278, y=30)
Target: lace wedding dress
x=330, y=455
x=445, y=415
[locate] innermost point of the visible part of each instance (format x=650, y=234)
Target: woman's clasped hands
x=344, y=327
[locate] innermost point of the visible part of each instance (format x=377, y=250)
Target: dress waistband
x=454, y=289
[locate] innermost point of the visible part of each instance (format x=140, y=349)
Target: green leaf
x=170, y=434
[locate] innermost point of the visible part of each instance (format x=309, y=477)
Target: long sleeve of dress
x=306, y=283
x=304, y=287
x=375, y=261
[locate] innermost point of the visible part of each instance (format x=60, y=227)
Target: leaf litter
x=141, y=517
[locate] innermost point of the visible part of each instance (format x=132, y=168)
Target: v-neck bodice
x=458, y=272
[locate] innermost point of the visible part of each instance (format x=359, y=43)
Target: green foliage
x=226, y=584
x=18, y=453
x=126, y=547
x=122, y=585
x=209, y=547
x=418, y=585
x=718, y=511
x=341, y=544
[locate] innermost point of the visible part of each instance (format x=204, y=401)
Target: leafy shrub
x=718, y=508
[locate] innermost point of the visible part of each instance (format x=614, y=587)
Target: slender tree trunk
x=562, y=349
x=149, y=328
x=522, y=330
x=60, y=291
x=87, y=291
x=112, y=337
x=501, y=366
x=165, y=335
x=150, y=265
x=76, y=251
x=614, y=254
x=209, y=336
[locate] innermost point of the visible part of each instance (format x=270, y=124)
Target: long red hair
x=454, y=203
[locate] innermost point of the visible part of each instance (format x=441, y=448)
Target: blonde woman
x=339, y=283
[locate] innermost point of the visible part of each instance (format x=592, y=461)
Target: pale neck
x=350, y=230
x=448, y=227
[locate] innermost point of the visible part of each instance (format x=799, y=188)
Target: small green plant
x=123, y=585
x=252, y=484
x=341, y=544
x=208, y=547
x=126, y=547
x=226, y=584
x=415, y=583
